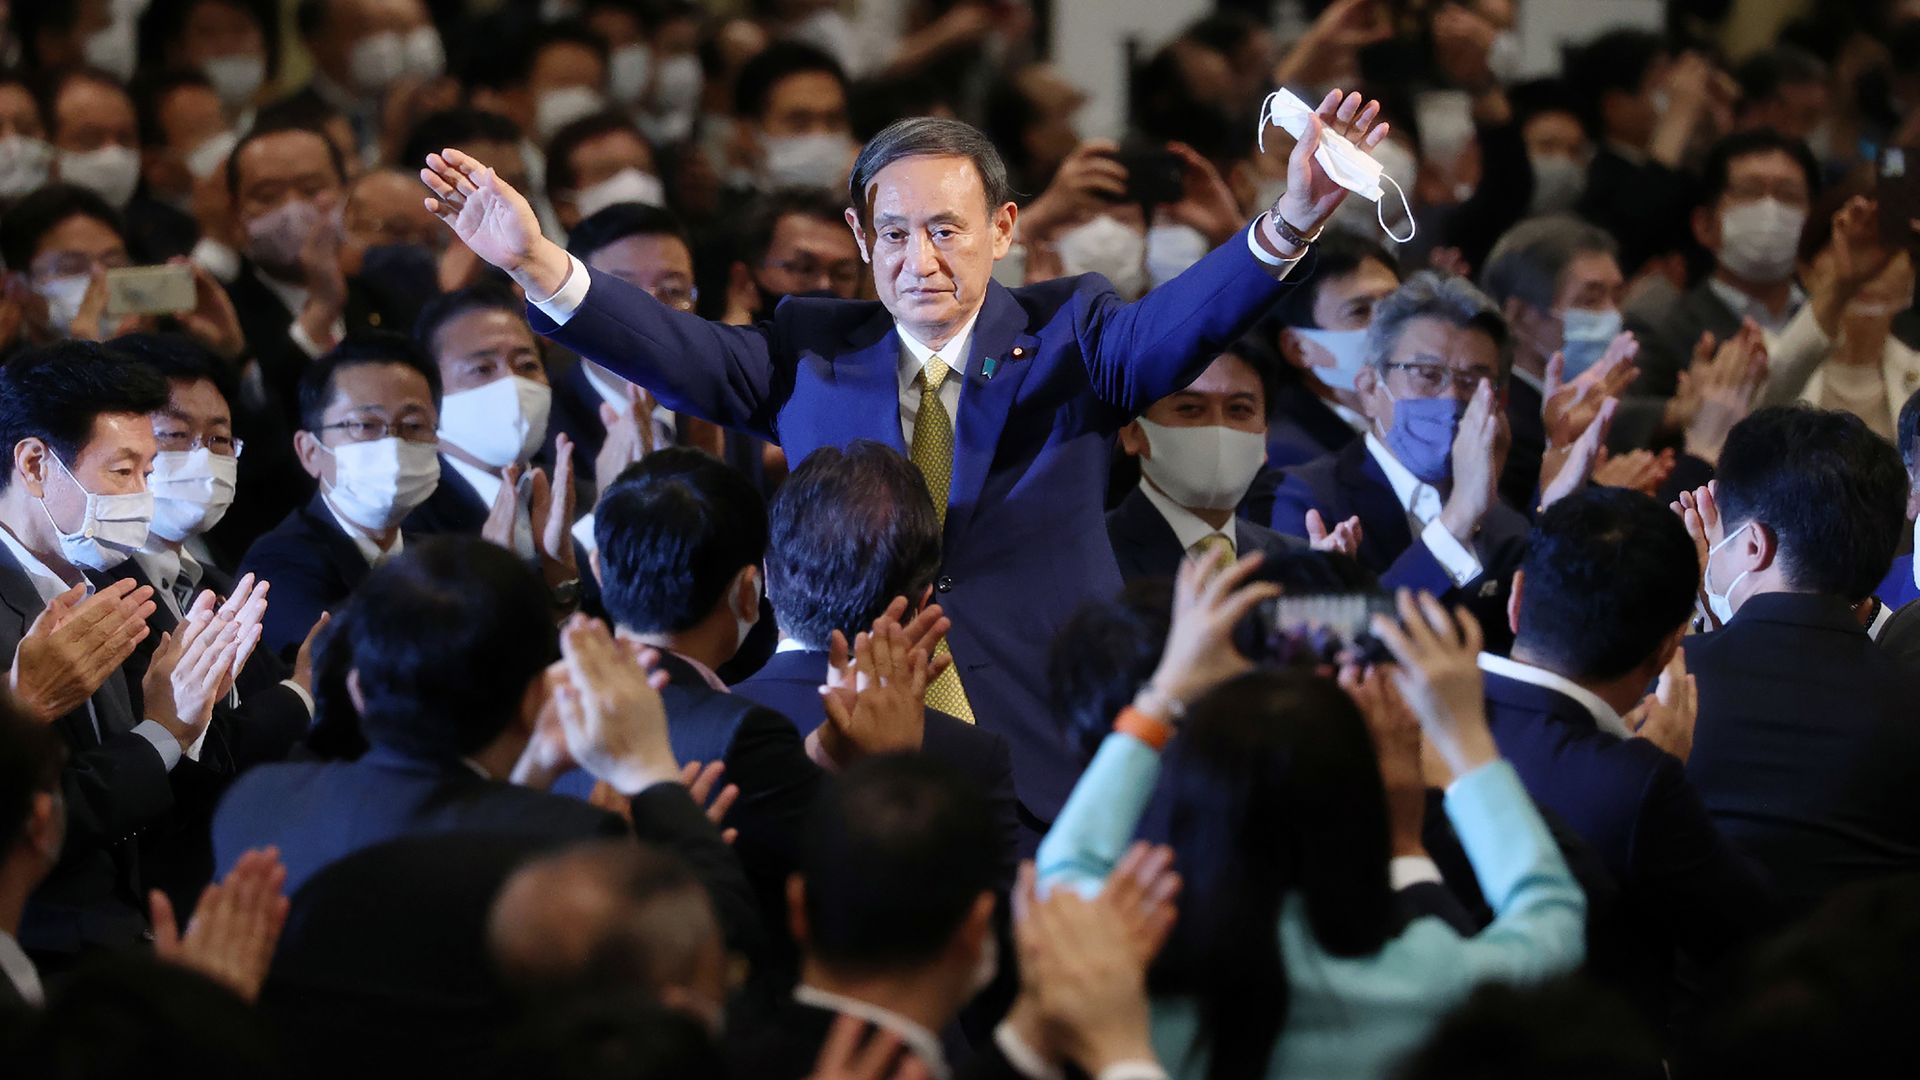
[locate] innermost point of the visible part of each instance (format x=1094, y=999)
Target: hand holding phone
x=149, y=290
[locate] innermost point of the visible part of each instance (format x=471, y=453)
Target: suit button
x=945, y=584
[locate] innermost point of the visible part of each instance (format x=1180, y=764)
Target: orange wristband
x=1155, y=733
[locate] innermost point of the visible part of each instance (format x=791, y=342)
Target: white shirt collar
x=18, y=969
x=484, y=484
x=914, y=352
x=1353, y=419
x=616, y=396
x=1407, y=487
x=1528, y=378
x=293, y=296
x=1746, y=306
x=788, y=644
x=369, y=550
x=45, y=581
x=1187, y=526
x=1603, y=715
x=163, y=566
x=924, y=1044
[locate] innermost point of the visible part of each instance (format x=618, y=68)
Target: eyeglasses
x=845, y=275
x=367, y=429
x=181, y=442
x=1434, y=379
x=677, y=297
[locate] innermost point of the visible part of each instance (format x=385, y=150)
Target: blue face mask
x=1585, y=334
x=1422, y=436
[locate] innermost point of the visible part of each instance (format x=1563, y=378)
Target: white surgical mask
x=1346, y=164
x=114, y=527
x=236, y=77
x=376, y=60
x=1721, y=603
x=629, y=185
x=205, y=159
x=1558, y=183
x=275, y=238
x=24, y=164
x=63, y=296
x=377, y=483
x=1347, y=347
x=675, y=100
x=1759, y=239
x=557, y=108
x=1585, y=334
x=1104, y=245
x=113, y=50
x=111, y=172
x=806, y=161
x=1204, y=468
x=1171, y=249
x=627, y=69
x=499, y=423
x=191, y=491
x=426, y=57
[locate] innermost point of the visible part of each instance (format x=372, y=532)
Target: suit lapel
x=346, y=558
x=1383, y=520
x=1142, y=527
x=985, y=400
x=869, y=377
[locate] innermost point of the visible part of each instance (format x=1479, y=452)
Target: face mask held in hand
x=378, y=483
x=112, y=528
x=1206, y=468
x=1346, y=164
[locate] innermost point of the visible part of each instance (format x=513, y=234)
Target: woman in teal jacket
x=1287, y=961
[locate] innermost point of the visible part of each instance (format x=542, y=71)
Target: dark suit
x=1052, y=372
x=1667, y=335
x=789, y=684
x=1301, y=426
x=115, y=786
x=785, y=1045
x=313, y=566
x=1352, y=484
x=1520, y=480
x=453, y=508
x=1807, y=754
x=1682, y=884
x=1145, y=546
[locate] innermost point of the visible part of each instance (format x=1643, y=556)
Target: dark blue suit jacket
x=1144, y=544
x=1807, y=753
x=313, y=566
x=1682, y=884
x=1351, y=484
x=789, y=684
x=1052, y=372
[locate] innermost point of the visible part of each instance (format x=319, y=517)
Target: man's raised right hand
x=494, y=220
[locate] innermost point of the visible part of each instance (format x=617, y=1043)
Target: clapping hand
x=1564, y=471
x=1083, y=977
x=925, y=631
x=1142, y=889
x=75, y=643
x=193, y=668
x=884, y=709
x=609, y=708
x=880, y=1057
x=1666, y=717
x=1479, y=453
x=1438, y=676
x=551, y=513
x=1719, y=388
x=1567, y=409
x=1344, y=539
x=630, y=435
x=234, y=928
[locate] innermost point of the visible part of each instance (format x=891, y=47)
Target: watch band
x=1290, y=234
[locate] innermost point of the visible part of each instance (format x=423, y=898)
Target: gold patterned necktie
x=1208, y=545
x=932, y=451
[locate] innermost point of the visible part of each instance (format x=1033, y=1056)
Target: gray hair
x=929, y=136
x=1530, y=258
x=1433, y=295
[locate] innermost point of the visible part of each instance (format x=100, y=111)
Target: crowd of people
x=654, y=539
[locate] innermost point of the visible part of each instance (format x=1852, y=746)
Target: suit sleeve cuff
x=1460, y=564
x=163, y=742
x=1261, y=253
x=305, y=342
x=572, y=293
x=1405, y=871
x=1133, y=1070
x=301, y=693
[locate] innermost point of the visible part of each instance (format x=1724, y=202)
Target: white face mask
x=276, y=238
x=806, y=161
x=1721, y=603
x=204, y=160
x=629, y=185
x=111, y=172
x=426, y=57
x=1759, y=239
x=675, y=101
x=377, y=483
x=114, y=526
x=1171, y=249
x=1346, y=164
x=1558, y=183
x=557, y=108
x=1202, y=468
x=24, y=164
x=376, y=60
x=499, y=423
x=627, y=69
x=1106, y=246
x=1347, y=347
x=192, y=490
x=236, y=77
x=114, y=50
x=63, y=296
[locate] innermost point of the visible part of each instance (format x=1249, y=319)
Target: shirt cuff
x=1265, y=256
x=567, y=299
x=217, y=259
x=163, y=742
x=1025, y=1060
x=1454, y=557
x=1133, y=1070
x=301, y=693
x=1404, y=871
x=305, y=342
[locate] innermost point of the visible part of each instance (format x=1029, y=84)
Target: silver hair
x=1530, y=258
x=1433, y=295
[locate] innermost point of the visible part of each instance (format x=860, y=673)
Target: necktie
x=1207, y=545
x=932, y=451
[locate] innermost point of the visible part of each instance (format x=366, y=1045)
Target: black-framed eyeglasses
x=358, y=429
x=184, y=442
x=1437, y=378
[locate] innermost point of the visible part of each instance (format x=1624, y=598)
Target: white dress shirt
x=1422, y=503
x=1604, y=717
x=612, y=390
x=363, y=541
x=1187, y=526
x=920, y=1042
x=1746, y=307
x=172, y=572
x=17, y=968
x=48, y=585
x=487, y=485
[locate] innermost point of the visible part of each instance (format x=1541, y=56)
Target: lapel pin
x=988, y=367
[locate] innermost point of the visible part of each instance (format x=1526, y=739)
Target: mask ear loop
x=1380, y=212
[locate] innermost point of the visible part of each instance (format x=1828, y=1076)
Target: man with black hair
x=1321, y=333
x=789, y=241
x=597, y=161
x=541, y=74
x=359, y=49
x=33, y=825
x=1901, y=586
x=1782, y=89
x=852, y=534
x=1600, y=606
x=57, y=240
x=369, y=413
x=792, y=101
x=1637, y=187
x=1812, y=762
